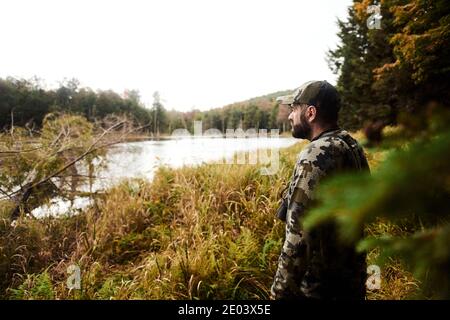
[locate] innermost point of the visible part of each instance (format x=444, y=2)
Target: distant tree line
x=257, y=113
x=25, y=103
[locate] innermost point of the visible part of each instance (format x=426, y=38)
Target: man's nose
x=290, y=116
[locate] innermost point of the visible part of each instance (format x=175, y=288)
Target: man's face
x=301, y=128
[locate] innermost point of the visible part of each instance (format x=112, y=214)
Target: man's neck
x=317, y=131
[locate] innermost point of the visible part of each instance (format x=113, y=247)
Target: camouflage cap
x=309, y=93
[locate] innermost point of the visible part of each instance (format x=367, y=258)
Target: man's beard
x=301, y=130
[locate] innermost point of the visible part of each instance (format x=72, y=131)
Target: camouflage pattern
x=315, y=264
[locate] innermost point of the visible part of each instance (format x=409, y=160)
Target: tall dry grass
x=207, y=232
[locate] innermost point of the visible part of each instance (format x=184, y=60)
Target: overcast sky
x=196, y=53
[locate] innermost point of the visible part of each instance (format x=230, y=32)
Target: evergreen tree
x=354, y=60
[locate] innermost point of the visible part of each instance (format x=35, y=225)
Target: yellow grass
x=193, y=233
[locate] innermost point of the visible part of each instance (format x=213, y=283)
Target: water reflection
x=141, y=159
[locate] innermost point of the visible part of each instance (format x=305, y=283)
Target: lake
x=141, y=159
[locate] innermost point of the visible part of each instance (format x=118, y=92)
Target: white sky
x=196, y=53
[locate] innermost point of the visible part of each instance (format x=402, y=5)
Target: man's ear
x=311, y=113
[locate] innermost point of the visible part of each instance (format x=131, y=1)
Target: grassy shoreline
x=207, y=232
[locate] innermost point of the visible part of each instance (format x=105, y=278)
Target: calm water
x=141, y=159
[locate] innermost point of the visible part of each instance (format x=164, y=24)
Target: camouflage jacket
x=315, y=264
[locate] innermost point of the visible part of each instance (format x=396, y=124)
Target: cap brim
x=286, y=99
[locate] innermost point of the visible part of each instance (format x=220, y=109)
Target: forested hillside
x=26, y=102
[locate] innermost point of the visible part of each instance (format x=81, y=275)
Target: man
x=315, y=264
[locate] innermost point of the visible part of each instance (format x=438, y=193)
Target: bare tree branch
x=29, y=184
